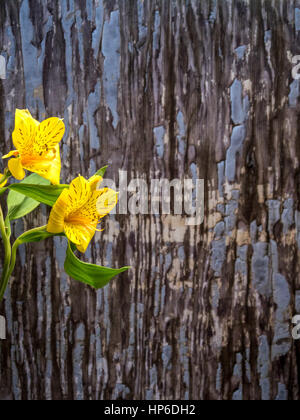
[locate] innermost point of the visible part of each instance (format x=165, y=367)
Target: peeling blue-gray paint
x=238, y=110
x=156, y=32
x=213, y=14
x=120, y=391
x=239, y=114
x=242, y=252
x=93, y=106
x=274, y=256
x=159, y=133
x=96, y=37
x=181, y=253
x=107, y=321
x=260, y=269
x=66, y=148
x=241, y=265
x=287, y=217
x=263, y=367
x=9, y=125
x=33, y=60
x=219, y=230
x=80, y=38
x=182, y=147
x=141, y=23
x=282, y=295
x=221, y=178
x=221, y=209
x=156, y=296
x=180, y=123
x=230, y=219
x=294, y=93
x=67, y=23
x=238, y=395
x=111, y=44
x=81, y=139
x=282, y=337
x=235, y=194
x=78, y=356
x=167, y=262
x=194, y=173
x=184, y=358
x=297, y=302
x=237, y=370
x=218, y=256
x=297, y=219
x=108, y=254
x=93, y=170
x=61, y=248
x=268, y=36
x=219, y=378
x=240, y=51
x=181, y=133
x=215, y=296
x=153, y=382
x=89, y=9
x=282, y=394
x=274, y=213
x=11, y=52
x=248, y=367
x=194, y=170
x=149, y=394
x=297, y=19
x=237, y=140
x=253, y=231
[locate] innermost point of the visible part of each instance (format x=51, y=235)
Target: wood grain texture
x=165, y=89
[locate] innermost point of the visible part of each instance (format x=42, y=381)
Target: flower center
x=28, y=160
x=77, y=220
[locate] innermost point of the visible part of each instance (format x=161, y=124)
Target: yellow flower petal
x=48, y=167
x=3, y=183
x=24, y=114
x=54, y=172
x=80, y=235
x=106, y=201
x=86, y=214
x=49, y=133
x=56, y=223
x=10, y=154
x=16, y=168
x=79, y=193
x=25, y=130
x=95, y=181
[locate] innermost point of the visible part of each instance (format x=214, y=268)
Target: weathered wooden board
x=165, y=89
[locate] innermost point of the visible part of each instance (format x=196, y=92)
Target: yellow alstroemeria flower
x=37, y=147
x=3, y=183
x=79, y=209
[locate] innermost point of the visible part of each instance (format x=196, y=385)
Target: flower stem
x=7, y=258
x=10, y=269
x=5, y=177
x=13, y=256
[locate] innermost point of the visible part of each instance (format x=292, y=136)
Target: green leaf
x=93, y=275
x=46, y=194
x=101, y=171
x=36, y=235
x=19, y=205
